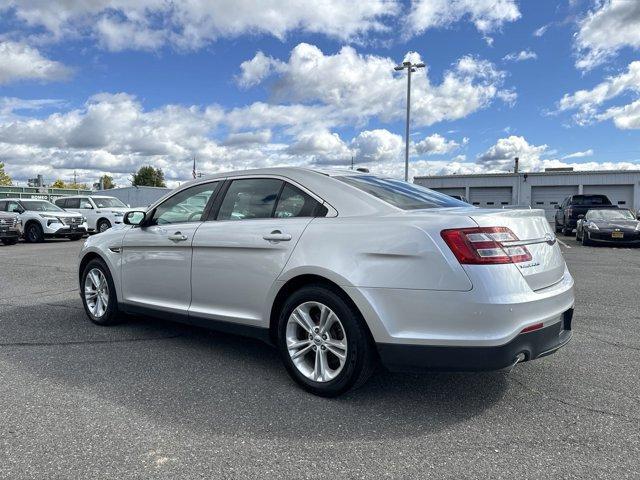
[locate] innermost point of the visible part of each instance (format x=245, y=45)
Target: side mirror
x=17, y=210
x=581, y=216
x=134, y=218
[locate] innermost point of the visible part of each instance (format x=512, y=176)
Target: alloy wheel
x=96, y=292
x=316, y=341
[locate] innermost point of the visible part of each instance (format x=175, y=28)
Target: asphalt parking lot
x=150, y=399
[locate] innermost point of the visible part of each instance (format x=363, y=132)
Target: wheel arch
x=91, y=255
x=302, y=280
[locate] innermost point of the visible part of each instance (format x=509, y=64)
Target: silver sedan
x=338, y=270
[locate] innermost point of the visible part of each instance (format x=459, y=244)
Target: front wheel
x=103, y=226
x=34, y=233
x=99, y=294
x=324, y=342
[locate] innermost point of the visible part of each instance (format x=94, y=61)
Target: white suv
x=42, y=219
x=102, y=212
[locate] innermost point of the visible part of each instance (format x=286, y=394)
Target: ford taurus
x=338, y=270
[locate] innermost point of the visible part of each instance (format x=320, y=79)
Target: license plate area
x=617, y=234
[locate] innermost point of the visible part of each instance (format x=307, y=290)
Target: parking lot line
x=562, y=243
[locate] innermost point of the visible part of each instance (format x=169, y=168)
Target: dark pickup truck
x=574, y=206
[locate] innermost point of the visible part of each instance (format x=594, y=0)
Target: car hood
x=621, y=224
x=56, y=214
x=6, y=215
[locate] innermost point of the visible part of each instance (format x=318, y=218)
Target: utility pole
x=351, y=162
x=411, y=68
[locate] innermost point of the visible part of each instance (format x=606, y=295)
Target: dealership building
x=542, y=190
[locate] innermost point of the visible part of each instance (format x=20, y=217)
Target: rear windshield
x=407, y=196
x=590, y=200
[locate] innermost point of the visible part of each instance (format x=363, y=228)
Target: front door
x=239, y=254
x=156, y=257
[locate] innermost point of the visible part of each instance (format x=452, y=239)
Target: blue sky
x=111, y=86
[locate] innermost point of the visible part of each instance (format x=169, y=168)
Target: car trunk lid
x=546, y=266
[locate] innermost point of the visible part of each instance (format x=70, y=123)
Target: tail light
x=484, y=246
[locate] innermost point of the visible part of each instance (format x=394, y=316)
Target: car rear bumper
x=524, y=347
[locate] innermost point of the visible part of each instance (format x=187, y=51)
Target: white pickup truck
x=102, y=212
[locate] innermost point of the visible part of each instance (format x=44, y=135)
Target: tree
x=148, y=176
x=107, y=182
x=5, y=179
x=70, y=186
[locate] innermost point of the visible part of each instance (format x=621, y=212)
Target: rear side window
x=250, y=198
x=293, y=202
x=72, y=203
x=407, y=196
x=590, y=200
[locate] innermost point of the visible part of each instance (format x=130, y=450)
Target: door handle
x=277, y=236
x=177, y=237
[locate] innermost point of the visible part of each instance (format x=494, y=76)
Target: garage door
x=490, y=197
x=451, y=191
x=621, y=195
x=548, y=197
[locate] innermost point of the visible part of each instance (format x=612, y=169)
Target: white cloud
x=501, y=155
x=587, y=102
x=539, y=32
x=257, y=69
x=436, y=145
x=584, y=153
x=19, y=61
x=612, y=25
x=520, y=56
x=259, y=137
x=486, y=15
x=355, y=88
x=378, y=146
x=148, y=24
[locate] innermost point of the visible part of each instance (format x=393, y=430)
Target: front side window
x=250, y=198
x=85, y=203
x=108, y=203
x=404, y=195
x=185, y=206
x=12, y=206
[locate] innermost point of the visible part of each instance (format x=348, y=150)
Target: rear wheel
x=99, y=294
x=103, y=225
x=323, y=342
x=33, y=233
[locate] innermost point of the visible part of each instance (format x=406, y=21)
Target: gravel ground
x=158, y=400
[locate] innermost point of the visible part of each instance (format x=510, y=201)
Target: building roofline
x=511, y=174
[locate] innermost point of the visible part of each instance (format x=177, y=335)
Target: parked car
x=102, y=212
x=575, y=205
x=608, y=226
x=9, y=228
x=42, y=219
x=338, y=269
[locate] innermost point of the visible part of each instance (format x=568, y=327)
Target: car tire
x=101, y=282
x=349, y=330
x=103, y=226
x=558, y=227
x=33, y=233
x=567, y=232
x=585, y=240
x=9, y=241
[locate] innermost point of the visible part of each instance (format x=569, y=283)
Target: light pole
x=411, y=67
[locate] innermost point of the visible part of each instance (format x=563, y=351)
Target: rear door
x=239, y=253
x=533, y=231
